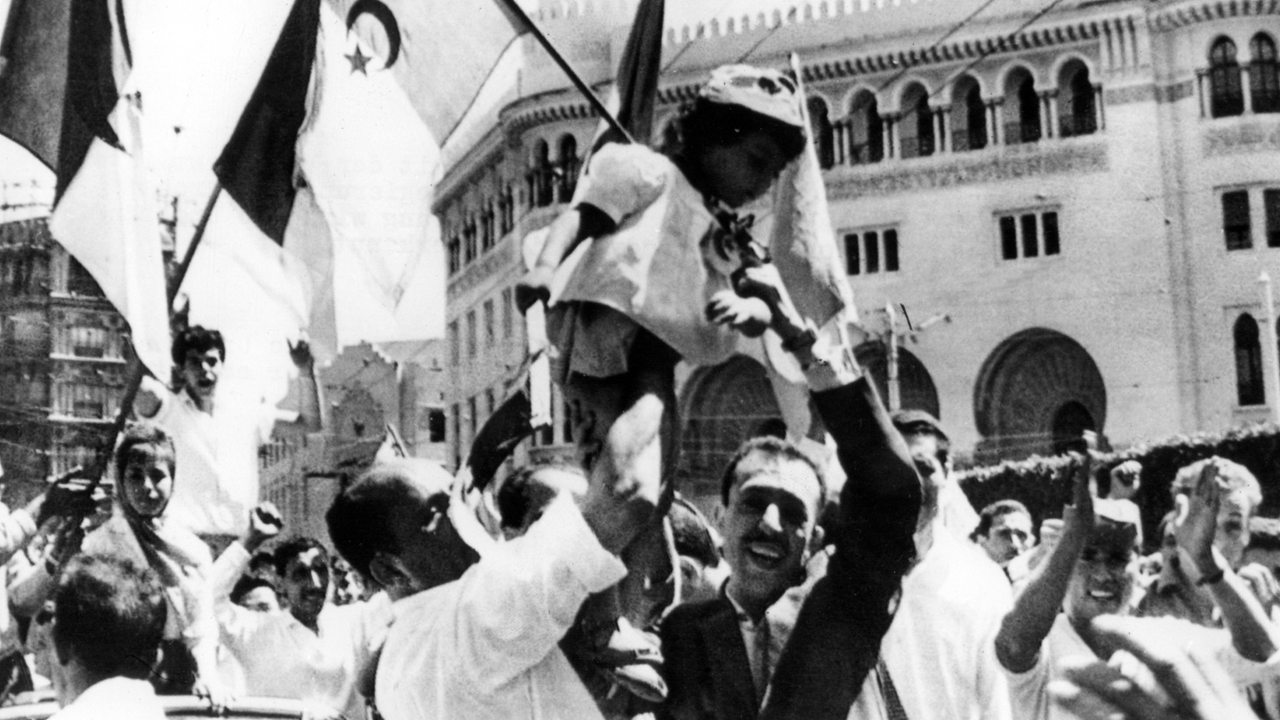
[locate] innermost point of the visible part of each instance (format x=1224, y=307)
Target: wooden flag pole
x=138, y=370
x=578, y=82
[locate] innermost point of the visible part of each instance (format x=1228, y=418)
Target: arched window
x=1249, y=387
x=508, y=209
x=820, y=128
x=489, y=227
x=866, y=130
x=567, y=168
x=916, y=133
x=1225, y=97
x=1077, y=104
x=968, y=116
x=1022, y=108
x=470, y=247
x=1264, y=83
x=540, y=175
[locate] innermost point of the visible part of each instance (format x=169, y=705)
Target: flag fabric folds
x=802, y=241
x=332, y=160
x=257, y=165
x=105, y=212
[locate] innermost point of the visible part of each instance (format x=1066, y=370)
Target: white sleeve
x=524, y=595
x=623, y=179
x=1028, y=691
x=237, y=626
x=163, y=394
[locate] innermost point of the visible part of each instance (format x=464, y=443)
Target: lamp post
x=1270, y=353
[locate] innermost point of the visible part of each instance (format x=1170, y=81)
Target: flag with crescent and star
x=347, y=121
x=67, y=95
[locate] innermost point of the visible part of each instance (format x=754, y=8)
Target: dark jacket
x=836, y=638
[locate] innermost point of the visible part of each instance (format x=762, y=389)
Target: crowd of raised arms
x=861, y=586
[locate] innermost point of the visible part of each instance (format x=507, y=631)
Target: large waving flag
x=335, y=155
x=65, y=95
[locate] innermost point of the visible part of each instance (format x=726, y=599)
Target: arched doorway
x=720, y=407
x=915, y=384
x=1037, y=392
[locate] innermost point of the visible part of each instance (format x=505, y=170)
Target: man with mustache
x=315, y=650
x=722, y=655
x=1004, y=531
x=1092, y=571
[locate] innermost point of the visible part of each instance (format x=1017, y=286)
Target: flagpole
x=578, y=82
x=138, y=370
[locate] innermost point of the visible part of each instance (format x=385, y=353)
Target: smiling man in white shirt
x=477, y=636
x=315, y=650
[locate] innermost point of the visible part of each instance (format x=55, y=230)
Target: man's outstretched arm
x=1027, y=625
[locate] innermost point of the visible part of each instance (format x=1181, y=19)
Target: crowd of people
x=593, y=589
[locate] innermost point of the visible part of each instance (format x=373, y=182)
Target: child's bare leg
x=630, y=447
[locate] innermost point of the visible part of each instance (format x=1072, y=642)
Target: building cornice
x=1182, y=14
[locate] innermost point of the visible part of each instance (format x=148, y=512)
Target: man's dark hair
x=247, y=584
x=111, y=614
x=199, y=339
x=291, y=549
x=516, y=499
x=143, y=433
x=359, y=515
x=713, y=124
x=996, y=509
x=693, y=533
x=777, y=450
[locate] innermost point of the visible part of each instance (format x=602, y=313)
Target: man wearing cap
x=925, y=437
x=477, y=624
x=1092, y=571
x=935, y=660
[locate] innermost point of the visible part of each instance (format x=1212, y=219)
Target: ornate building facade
x=63, y=358
x=1087, y=190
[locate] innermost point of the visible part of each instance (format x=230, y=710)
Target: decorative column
x=944, y=129
x=1244, y=90
x=1204, y=99
x=1099, y=112
x=838, y=140
x=887, y=125
x=1049, y=114
x=997, y=121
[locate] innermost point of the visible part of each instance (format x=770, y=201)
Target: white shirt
x=115, y=698
x=280, y=657
x=1028, y=690
x=485, y=645
x=216, y=479
x=940, y=648
x=764, y=640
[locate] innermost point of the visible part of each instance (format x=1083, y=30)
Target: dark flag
x=258, y=164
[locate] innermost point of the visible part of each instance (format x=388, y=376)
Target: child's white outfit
x=657, y=271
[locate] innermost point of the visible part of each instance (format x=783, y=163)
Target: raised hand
x=749, y=316
x=1197, y=521
x=1190, y=683
x=300, y=354
x=265, y=522
x=1080, y=510
x=533, y=287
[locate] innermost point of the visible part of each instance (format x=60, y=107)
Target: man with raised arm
x=1093, y=571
